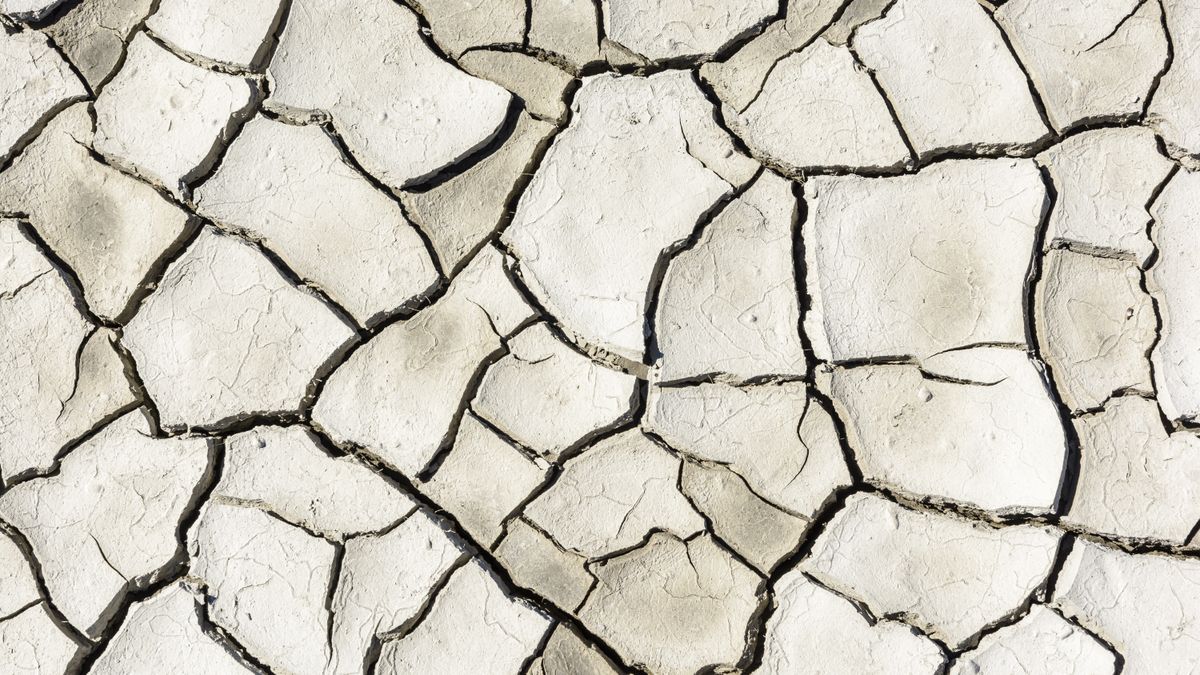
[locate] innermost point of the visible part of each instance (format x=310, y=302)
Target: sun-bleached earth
x=595, y=337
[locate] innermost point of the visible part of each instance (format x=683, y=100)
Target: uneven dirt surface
x=586, y=337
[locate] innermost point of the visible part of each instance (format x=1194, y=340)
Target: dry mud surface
x=583, y=337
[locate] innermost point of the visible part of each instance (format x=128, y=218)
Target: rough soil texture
x=599, y=337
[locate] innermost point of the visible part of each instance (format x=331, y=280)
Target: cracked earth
x=585, y=337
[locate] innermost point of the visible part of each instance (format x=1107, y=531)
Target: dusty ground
x=566, y=337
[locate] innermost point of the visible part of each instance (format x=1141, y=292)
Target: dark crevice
x=129, y=368
x=229, y=643
x=848, y=454
x=57, y=12
x=425, y=31
x=891, y=108
x=687, y=456
x=1143, y=285
x=1120, y=24
x=24, y=140
x=143, y=587
x=967, y=151
x=1010, y=618
x=1069, y=479
x=266, y=52
x=544, y=55
x=157, y=269
x=986, y=344
x=56, y=616
x=575, y=341
x=70, y=64
x=718, y=116
x=608, y=557
x=800, y=271
x=693, y=62
x=949, y=153
x=233, y=424
x=348, y=157
x=297, y=117
x=446, y=444
x=1118, y=657
x=469, y=159
x=1034, y=94
x=962, y=511
x=869, y=361
x=1065, y=546
x=710, y=529
x=816, y=35
x=1089, y=123
x=335, y=576
x=735, y=44
x=199, y=60
x=524, y=178
x=120, y=63
x=20, y=610
x=995, y=520
x=125, y=170
x=372, y=655
x=529, y=453
x=1092, y=250
x=717, y=377
x=859, y=606
x=55, y=467
x=69, y=278
x=755, y=637
x=652, y=353
x=268, y=510
x=552, y=475
x=756, y=643
x=801, y=173
x=528, y=27
x=471, y=546
x=221, y=144
x=285, y=270
x=601, y=29
x=1124, y=392
x=554, y=472
x=946, y=379
x=1167, y=62
x=527, y=665
x=1193, y=537
x=431, y=598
